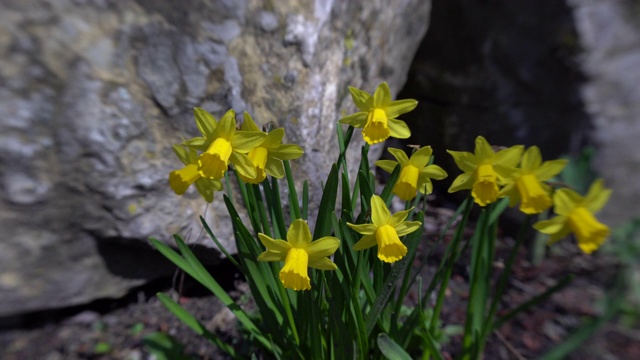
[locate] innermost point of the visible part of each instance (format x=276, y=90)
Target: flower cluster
x=252, y=152
x=522, y=176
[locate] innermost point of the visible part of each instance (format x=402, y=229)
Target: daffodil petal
x=387, y=165
x=382, y=96
x=206, y=122
x=227, y=125
x=407, y=227
x=483, y=150
x=322, y=264
x=557, y=227
x=322, y=247
x=510, y=156
x=421, y=157
x=399, y=107
x=379, y=212
x=564, y=200
x=365, y=242
x=243, y=164
x=357, y=120
x=549, y=169
x=505, y=173
x=276, y=249
x=465, y=160
x=361, y=99
x=275, y=168
x=299, y=235
x=597, y=196
x=399, y=217
x=400, y=155
x=244, y=141
x=425, y=186
x=181, y=153
x=364, y=229
x=531, y=159
x=286, y=152
x=197, y=143
x=398, y=128
x=462, y=182
x=248, y=124
x=433, y=172
x=274, y=138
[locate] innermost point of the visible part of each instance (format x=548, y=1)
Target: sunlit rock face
x=93, y=94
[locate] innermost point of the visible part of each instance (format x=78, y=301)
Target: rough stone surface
x=94, y=92
x=610, y=35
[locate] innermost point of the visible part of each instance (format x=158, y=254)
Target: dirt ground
x=115, y=329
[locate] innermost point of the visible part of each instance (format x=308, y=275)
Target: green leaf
x=327, y=205
x=164, y=347
x=390, y=349
x=218, y=244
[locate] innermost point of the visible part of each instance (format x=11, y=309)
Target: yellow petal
x=462, y=182
x=365, y=242
x=207, y=187
x=258, y=157
x=322, y=264
x=400, y=155
x=213, y=163
x=244, y=141
x=226, y=126
x=398, y=129
x=485, y=188
x=322, y=247
x=390, y=248
x=248, y=124
x=357, y=120
x=549, y=169
x=376, y=129
x=243, y=165
x=379, y=212
x=597, y=196
x=483, y=150
x=509, y=157
x=399, y=107
x=407, y=185
x=295, y=275
x=534, y=198
x=564, y=200
x=407, y=227
x=275, y=168
x=399, y=217
x=531, y=159
x=299, y=235
x=361, y=99
x=180, y=180
x=206, y=122
x=287, y=152
x=433, y=172
x=387, y=165
x=421, y=157
x=382, y=96
x=276, y=249
x=466, y=161
x=274, y=138
x=557, y=227
x=589, y=231
x=364, y=229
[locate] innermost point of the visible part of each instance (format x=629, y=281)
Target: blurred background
x=93, y=93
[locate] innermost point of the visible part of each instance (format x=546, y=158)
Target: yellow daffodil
x=222, y=145
x=415, y=174
x=385, y=231
x=377, y=116
x=267, y=156
x=299, y=253
x=181, y=179
x=576, y=215
x=525, y=186
x=484, y=170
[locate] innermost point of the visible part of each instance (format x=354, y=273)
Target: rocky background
x=93, y=93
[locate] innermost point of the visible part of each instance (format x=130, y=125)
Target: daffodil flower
x=267, y=156
x=415, y=174
x=576, y=215
x=385, y=231
x=526, y=186
x=377, y=116
x=181, y=179
x=223, y=145
x=299, y=253
x=484, y=170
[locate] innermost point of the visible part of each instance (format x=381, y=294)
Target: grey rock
x=94, y=93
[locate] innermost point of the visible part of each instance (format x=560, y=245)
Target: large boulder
x=94, y=92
